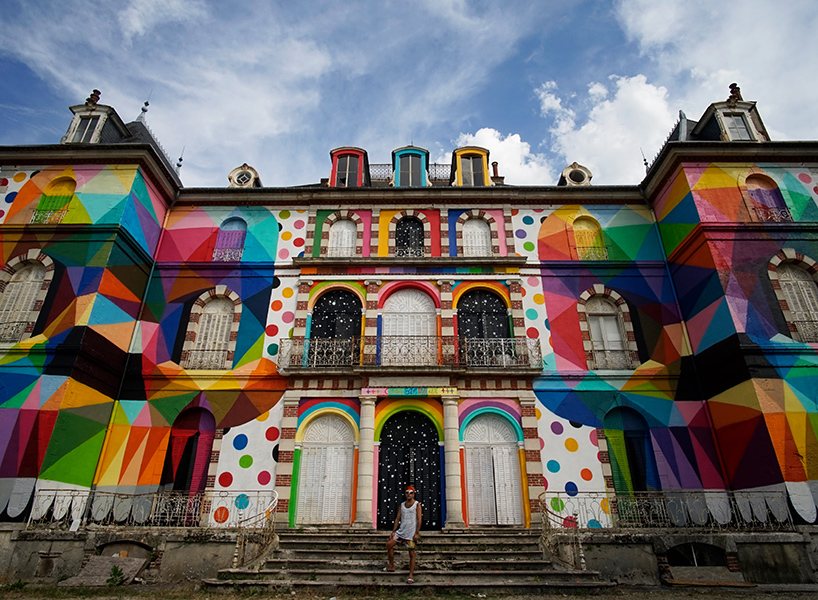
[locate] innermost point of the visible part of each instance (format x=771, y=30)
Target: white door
x=493, y=485
x=325, y=480
x=409, y=329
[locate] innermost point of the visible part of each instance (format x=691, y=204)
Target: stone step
x=424, y=562
x=426, y=543
x=423, y=554
x=422, y=587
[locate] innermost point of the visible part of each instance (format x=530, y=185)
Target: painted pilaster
x=370, y=346
x=366, y=463
x=448, y=349
x=286, y=453
x=451, y=453
x=533, y=474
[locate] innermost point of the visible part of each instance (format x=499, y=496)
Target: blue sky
x=279, y=84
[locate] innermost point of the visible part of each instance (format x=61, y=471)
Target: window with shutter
x=589, y=240
x=53, y=204
x=493, y=476
x=610, y=350
x=212, y=331
x=409, y=329
x=17, y=304
x=343, y=236
x=476, y=238
x=230, y=241
x=325, y=477
x=800, y=291
x=766, y=198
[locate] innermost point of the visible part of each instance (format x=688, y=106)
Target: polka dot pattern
x=570, y=457
x=246, y=460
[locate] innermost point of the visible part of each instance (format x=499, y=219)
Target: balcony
x=402, y=353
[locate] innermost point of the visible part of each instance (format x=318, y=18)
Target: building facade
x=496, y=346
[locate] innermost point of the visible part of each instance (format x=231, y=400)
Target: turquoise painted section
x=424, y=167
x=496, y=411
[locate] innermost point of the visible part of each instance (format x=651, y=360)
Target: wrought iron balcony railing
x=227, y=254
x=12, y=332
x=385, y=352
x=206, y=360
x=807, y=330
x=592, y=253
x=613, y=359
x=50, y=217
x=413, y=251
x=774, y=214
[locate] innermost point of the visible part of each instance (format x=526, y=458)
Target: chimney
x=495, y=174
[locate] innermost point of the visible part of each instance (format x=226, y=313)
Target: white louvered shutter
x=342, y=238
x=326, y=472
x=409, y=329
x=476, y=238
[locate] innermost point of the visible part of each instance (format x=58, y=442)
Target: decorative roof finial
x=144, y=108
x=735, y=94
x=179, y=162
x=93, y=98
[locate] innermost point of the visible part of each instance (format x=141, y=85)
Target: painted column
x=366, y=463
x=370, y=345
x=451, y=452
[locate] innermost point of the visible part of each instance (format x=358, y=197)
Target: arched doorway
x=493, y=486
x=325, y=478
x=409, y=455
x=629, y=445
x=483, y=327
x=188, y=454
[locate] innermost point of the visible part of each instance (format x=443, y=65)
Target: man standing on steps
x=409, y=519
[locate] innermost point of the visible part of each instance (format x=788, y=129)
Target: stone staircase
x=472, y=561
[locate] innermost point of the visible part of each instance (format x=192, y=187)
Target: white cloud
x=517, y=163
x=617, y=129
x=142, y=15
x=701, y=46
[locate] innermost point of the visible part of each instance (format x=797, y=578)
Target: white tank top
x=408, y=521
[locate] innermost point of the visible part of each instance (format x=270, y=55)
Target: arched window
x=335, y=330
x=346, y=173
x=17, y=302
x=630, y=451
x=471, y=170
x=188, y=454
x=343, y=235
x=24, y=283
x=210, y=342
x=230, y=241
x=801, y=295
x=476, y=238
x=766, y=199
x=409, y=237
x=589, y=240
x=53, y=204
x=409, y=326
x=608, y=337
x=483, y=328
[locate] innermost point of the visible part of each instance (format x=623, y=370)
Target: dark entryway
x=409, y=455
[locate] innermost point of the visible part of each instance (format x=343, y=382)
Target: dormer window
x=410, y=165
x=346, y=175
x=469, y=167
x=736, y=127
x=85, y=130
x=472, y=170
x=350, y=168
